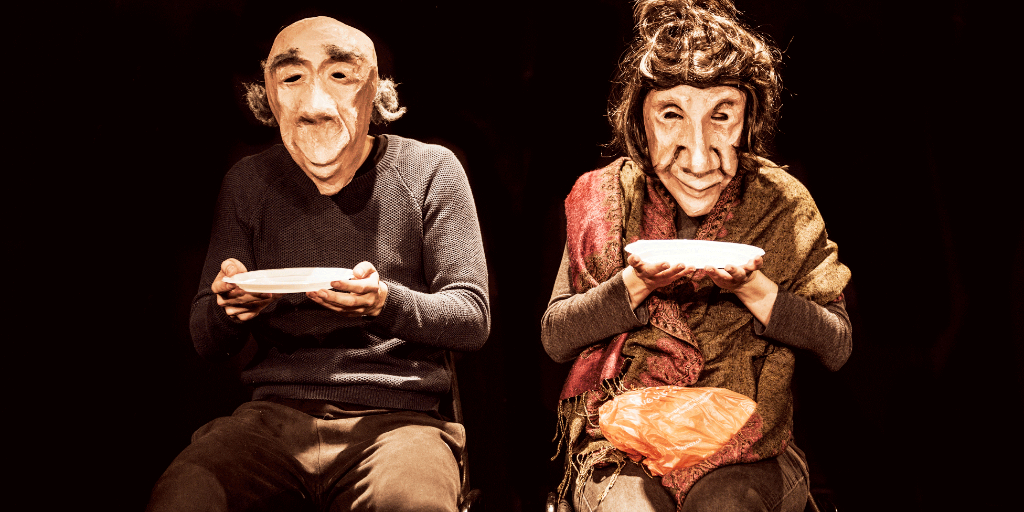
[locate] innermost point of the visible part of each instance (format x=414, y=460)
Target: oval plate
x=699, y=253
x=289, y=280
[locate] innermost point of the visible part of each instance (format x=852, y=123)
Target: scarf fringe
x=574, y=420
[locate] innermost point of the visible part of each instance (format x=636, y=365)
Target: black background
x=894, y=116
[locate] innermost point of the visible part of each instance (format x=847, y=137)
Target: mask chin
x=321, y=145
x=697, y=208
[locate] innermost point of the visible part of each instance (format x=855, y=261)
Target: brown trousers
x=314, y=456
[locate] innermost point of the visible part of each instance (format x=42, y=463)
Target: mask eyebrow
x=289, y=57
x=725, y=104
x=338, y=53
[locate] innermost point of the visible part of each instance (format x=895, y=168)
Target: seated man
x=346, y=380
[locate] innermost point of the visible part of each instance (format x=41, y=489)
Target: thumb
x=231, y=267
x=363, y=270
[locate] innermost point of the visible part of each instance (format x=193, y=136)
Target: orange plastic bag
x=673, y=427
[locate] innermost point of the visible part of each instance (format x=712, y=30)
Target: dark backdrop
x=894, y=117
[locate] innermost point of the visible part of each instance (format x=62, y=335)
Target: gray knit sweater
x=410, y=212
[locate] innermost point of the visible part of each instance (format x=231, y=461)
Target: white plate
x=699, y=253
x=289, y=280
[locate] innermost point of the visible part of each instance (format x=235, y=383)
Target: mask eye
x=292, y=78
x=338, y=74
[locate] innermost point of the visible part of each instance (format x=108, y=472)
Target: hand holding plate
x=657, y=275
x=642, y=278
x=751, y=286
x=237, y=303
x=363, y=295
x=732, y=277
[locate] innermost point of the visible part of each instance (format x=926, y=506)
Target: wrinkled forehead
x=318, y=39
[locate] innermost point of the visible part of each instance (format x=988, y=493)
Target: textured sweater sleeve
x=455, y=313
x=215, y=335
x=800, y=323
x=574, y=321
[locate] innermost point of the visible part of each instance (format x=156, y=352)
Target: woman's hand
x=237, y=303
x=753, y=288
x=642, y=278
x=363, y=295
x=731, y=278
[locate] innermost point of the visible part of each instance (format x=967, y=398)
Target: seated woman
x=694, y=111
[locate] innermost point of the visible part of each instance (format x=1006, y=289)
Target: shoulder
x=411, y=155
x=602, y=178
x=776, y=181
x=261, y=169
x=420, y=166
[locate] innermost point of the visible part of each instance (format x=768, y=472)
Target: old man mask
x=323, y=90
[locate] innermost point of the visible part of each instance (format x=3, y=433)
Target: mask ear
x=385, y=103
x=259, y=104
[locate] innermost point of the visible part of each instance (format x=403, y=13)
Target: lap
x=299, y=460
x=632, y=489
x=413, y=467
x=778, y=484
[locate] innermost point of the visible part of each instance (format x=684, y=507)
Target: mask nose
x=318, y=105
x=703, y=153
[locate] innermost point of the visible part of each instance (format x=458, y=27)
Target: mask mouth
x=700, y=189
x=709, y=180
x=322, y=142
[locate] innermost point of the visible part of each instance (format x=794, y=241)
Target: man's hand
x=238, y=303
x=363, y=295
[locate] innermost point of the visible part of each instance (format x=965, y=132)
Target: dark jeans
x=305, y=455
x=780, y=484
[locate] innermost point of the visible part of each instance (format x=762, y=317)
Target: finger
x=243, y=299
x=229, y=297
x=738, y=274
x=251, y=308
x=247, y=302
x=363, y=270
x=341, y=306
x=357, y=286
x=671, y=269
x=340, y=300
x=754, y=264
x=220, y=287
x=231, y=266
x=720, y=273
x=678, y=271
x=244, y=314
x=655, y=270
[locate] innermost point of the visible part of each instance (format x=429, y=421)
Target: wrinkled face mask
x=321, y=78
x=692, y=135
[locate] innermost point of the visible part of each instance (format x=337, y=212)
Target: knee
x=187, y=487
x=734, y=499
x=415, y=498
x=740, y=488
